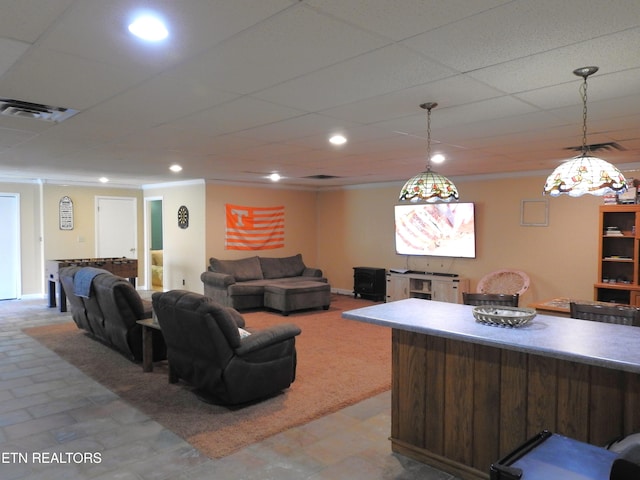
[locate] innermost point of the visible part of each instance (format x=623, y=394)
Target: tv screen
x=438, y=229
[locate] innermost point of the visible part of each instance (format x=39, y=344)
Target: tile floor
x=57, y=423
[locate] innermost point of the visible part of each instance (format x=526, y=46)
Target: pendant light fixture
x=429, y=186
x=585, y=173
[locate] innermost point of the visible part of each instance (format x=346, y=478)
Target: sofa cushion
x=247, y=288
x=242, y=270
x=282, y=267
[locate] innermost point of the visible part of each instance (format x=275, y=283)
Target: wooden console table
x=560, y=305
x=465, y=394
x=123, y=267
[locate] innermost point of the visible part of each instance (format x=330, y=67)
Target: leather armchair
x=205, y=349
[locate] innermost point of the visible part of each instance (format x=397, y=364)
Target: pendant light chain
x=583, y=92
x=428, y=139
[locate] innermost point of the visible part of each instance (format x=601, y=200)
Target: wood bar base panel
x=460, y=406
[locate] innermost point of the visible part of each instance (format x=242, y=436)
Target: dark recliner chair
x=205, y=348
x=110, y=311
x=490, y=299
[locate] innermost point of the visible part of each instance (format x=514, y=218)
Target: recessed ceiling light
x=104, y=179
x=438, y=158
x=274, y=177
x=175, y=168
x=149, y=28
x=338, y=140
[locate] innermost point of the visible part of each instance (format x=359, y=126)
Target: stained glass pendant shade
x=429, y=186
x=585, y=173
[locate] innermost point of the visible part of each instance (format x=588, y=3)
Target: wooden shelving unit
x=618, y=255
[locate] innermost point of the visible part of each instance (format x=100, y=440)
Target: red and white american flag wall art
x=254, y=228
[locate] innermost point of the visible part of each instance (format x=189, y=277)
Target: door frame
x=147, y=243
x=18, y=251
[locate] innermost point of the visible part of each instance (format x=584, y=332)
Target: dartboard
x=183, y=217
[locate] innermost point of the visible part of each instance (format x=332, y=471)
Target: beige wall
x=81, y=241
x=300, y=220
x=355, y=228
x=335, y=230
x=184, y=249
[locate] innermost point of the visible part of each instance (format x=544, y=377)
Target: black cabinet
x=369, y=282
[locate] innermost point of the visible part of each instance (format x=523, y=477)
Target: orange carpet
x=340, y=362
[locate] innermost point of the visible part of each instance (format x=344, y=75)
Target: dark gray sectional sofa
x=241, y=283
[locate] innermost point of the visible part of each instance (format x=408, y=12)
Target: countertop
x=582, y=341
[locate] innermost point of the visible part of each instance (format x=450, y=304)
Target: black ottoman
x=287, y=297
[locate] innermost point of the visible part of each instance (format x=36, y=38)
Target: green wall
x=156, y=224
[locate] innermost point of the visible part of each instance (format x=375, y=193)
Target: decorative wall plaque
x=183, y=217
x=65, y=209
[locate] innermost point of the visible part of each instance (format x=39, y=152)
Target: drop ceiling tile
x=355, y=136
x=274, y=151
x=240, y=114
x=530, y=27
x=103, y=28
x=600, y=87
x=10, y=51
x=400, y=21
x=270, y=52
x=385, y=70
x=63, y=80
x=25, y=20
x=610, y=53
x=161, y=99
x=447, y=92
x=459, y=116
x=10, y=137
x=297, y=127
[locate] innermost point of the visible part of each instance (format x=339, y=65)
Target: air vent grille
x=321, y=177
x=595, y=147
x=36, y=111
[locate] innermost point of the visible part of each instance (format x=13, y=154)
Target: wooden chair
x=622, y=315
x=504, y=281
x=490, y=299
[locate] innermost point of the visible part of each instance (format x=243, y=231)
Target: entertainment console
x=444, y=287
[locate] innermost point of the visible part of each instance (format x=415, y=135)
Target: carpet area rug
x=340, y=362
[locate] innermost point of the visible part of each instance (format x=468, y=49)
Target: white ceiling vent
x=47, y=113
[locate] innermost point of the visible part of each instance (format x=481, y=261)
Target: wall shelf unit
x=426, y=286
x=618, y=255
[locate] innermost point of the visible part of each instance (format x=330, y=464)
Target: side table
x=148, y=325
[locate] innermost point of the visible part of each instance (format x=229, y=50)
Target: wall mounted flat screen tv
x=437, y=229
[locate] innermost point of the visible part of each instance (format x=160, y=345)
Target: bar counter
x=464, y=394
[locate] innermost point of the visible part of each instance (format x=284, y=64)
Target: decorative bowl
x=503, y=316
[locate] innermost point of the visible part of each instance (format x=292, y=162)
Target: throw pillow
x=242, y=270
x=282, y=267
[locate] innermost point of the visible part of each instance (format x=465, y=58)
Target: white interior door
x=116, y=227
x=9, y=246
